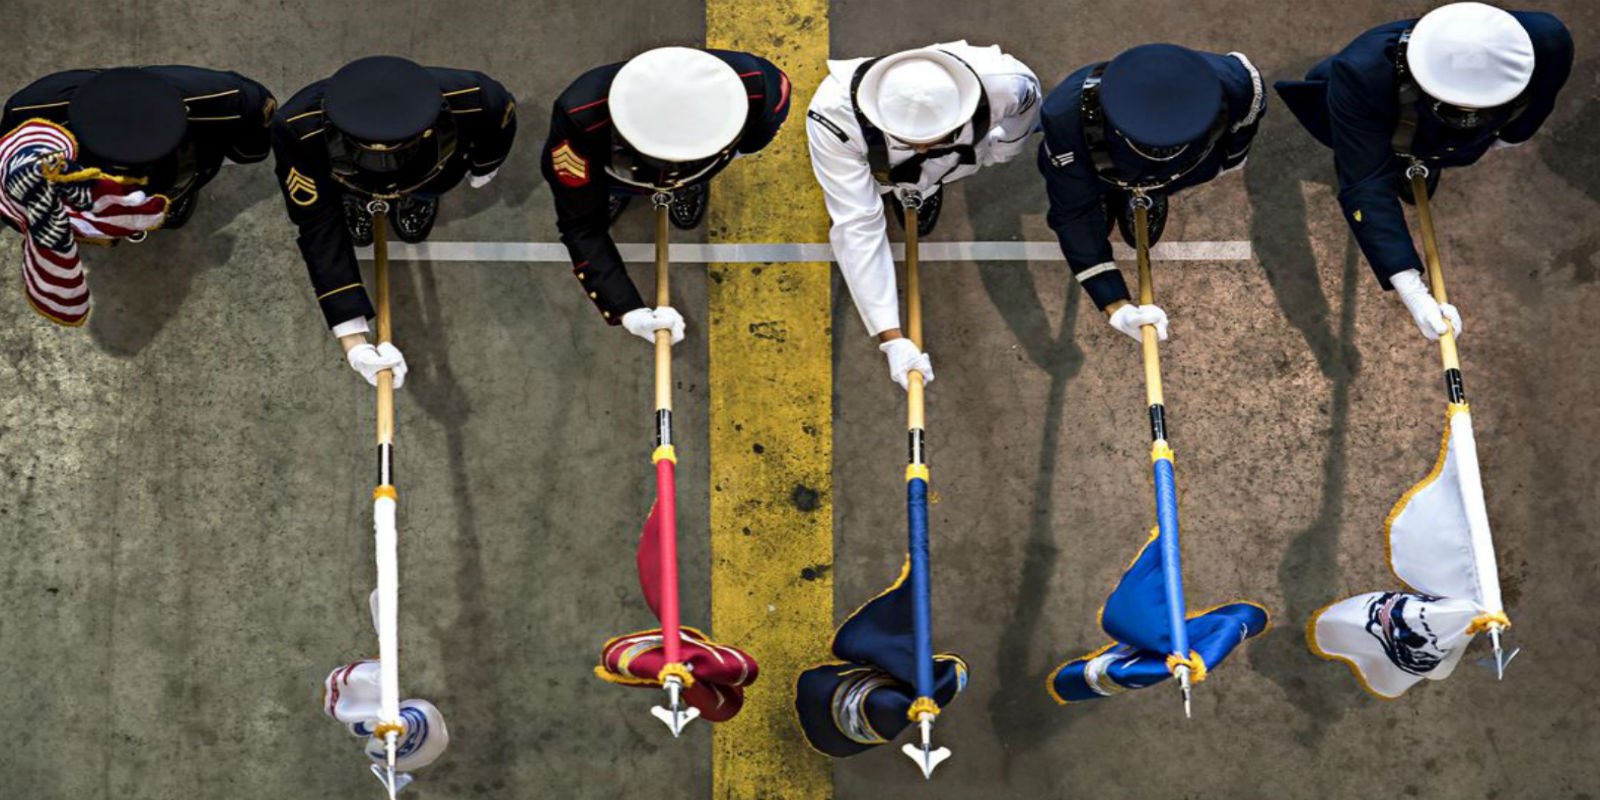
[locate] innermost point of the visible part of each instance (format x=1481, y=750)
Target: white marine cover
x=678, y=104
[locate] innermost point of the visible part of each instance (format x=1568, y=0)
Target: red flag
x=719, y=672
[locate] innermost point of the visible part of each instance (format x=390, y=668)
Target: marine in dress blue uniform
x=594, y=169
x=1156, y=120
x=172, y=126
x=1365, y=102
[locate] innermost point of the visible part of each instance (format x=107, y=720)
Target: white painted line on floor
x=555, y=252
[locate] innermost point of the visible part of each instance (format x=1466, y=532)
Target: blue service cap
x=1160, y=95
x=128, y=116
x=382, y=99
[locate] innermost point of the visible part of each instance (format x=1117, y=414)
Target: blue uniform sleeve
x=1552, y=46
x=1362, y=110
x=1078, y=217
x=1247, y=104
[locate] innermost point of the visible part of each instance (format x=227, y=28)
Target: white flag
x=351, y=695
x=1441, y=549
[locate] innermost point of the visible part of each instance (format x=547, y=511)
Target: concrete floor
x=184, y=511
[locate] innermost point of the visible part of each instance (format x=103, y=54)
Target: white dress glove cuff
x=351, y=326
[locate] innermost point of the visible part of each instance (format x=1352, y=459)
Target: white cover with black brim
x=678, y=104
x=1471, y=55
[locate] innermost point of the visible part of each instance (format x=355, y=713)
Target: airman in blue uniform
x=1155, y=120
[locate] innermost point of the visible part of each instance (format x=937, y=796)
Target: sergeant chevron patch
x=302, y=190
x=570, y=168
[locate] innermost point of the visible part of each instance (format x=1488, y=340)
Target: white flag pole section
x=1465, y=445
x=390, y=727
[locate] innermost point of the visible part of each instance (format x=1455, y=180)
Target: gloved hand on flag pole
x=644, y=322
x=1131, y=319
x=369, y=360
x=904, y=356
x=1429, y=314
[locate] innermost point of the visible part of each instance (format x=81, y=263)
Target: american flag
x=54, y=203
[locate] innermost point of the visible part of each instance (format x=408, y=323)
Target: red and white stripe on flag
x=92, y=208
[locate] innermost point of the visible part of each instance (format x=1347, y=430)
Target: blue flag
x=1136, y=616
x=862, y=701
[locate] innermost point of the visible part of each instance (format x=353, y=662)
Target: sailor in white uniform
x=893, y=130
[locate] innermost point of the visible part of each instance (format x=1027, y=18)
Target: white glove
x=480, y=181
x=1130, y=319
x=369, y=361
x=1429, y=314
x=644, y=322
x=904, y=356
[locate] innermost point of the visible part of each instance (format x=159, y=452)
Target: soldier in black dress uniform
x=381, y=128
x=171, y=126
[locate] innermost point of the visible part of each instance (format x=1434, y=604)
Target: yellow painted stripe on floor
x=771, y=386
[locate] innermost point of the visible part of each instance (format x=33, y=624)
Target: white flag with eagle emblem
x=1440, y=548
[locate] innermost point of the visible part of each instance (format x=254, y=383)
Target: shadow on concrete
x=511, y=187
x=1021, y=713
x=472, y=644
x=136, y=288
x=1567, y=143
x=1568, y=150
x=1283, y=160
